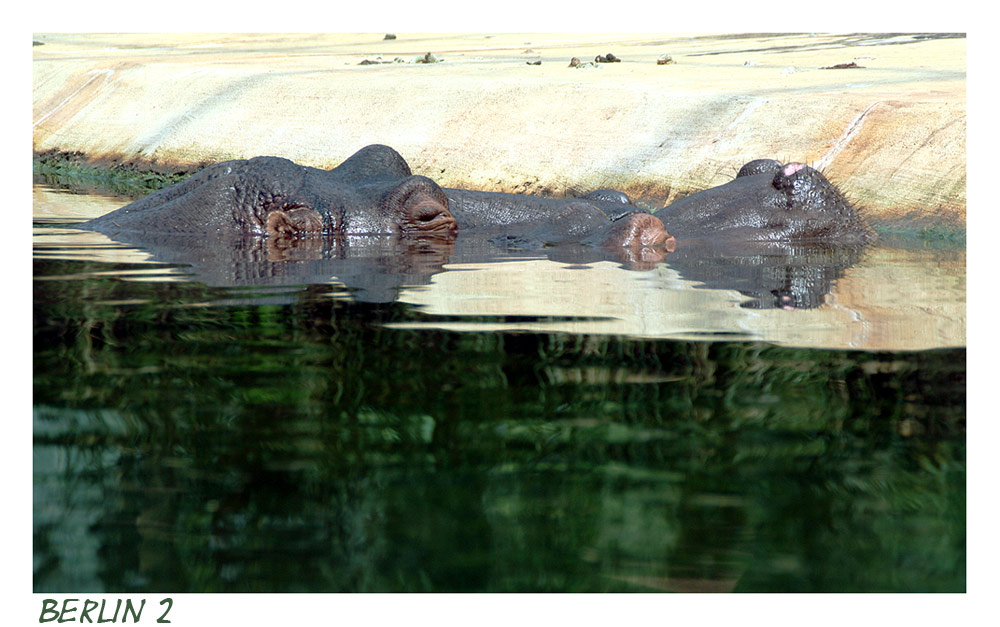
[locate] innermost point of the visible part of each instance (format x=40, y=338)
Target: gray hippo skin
x=779, y=234
x=769, y=202
x=371, y=193
x=604, y=218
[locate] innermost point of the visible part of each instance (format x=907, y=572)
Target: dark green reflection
x=296, y=444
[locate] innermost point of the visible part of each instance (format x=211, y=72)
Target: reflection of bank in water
x=893, y=299
x=874, y=298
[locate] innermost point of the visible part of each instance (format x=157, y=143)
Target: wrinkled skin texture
x=372, y=193
x=769, y=202
x=288, y=225
x=780, y=234
x=369, y=194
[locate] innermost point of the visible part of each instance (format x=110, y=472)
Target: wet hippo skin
x=296, y=210
x=371, y=193
x=780, y=234
x=604, y=218
x=769, y=202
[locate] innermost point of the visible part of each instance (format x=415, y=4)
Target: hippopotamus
x=769, y=202
x=371, y=193
x=603, y=217
x=779, y=233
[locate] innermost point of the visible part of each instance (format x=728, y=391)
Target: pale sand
x=891, y=134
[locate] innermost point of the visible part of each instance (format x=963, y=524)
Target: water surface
x=443, y=420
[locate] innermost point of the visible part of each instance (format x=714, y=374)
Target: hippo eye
x=427, y=214
x=417, y=204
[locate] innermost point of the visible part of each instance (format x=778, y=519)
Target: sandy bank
x=891, y=132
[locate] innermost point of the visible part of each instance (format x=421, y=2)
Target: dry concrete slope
x=891, y=132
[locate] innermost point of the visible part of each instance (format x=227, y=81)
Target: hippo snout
x=652, y=232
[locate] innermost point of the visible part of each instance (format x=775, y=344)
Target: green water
x=198, y=439
x=287, y=435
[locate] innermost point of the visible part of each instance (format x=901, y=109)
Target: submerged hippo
x=780, y=234
x=769, y=202
x=371, y=193
x=603, y=217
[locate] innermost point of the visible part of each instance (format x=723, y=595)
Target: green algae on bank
x=75, y=170
x=934, y=236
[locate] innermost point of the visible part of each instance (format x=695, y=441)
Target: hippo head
x=372, y=193
x=769, y=201
x=814, y=208
x=413, y=206
x=639, y=240
x=636, y=238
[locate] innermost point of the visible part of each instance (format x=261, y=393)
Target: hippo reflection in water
x=758, y=233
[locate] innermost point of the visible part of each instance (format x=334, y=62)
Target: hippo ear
x=759, y=166
x=375, y=161
x=418, y=205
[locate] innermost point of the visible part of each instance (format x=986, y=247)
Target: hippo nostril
x=442, y=222
x=661, y=237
